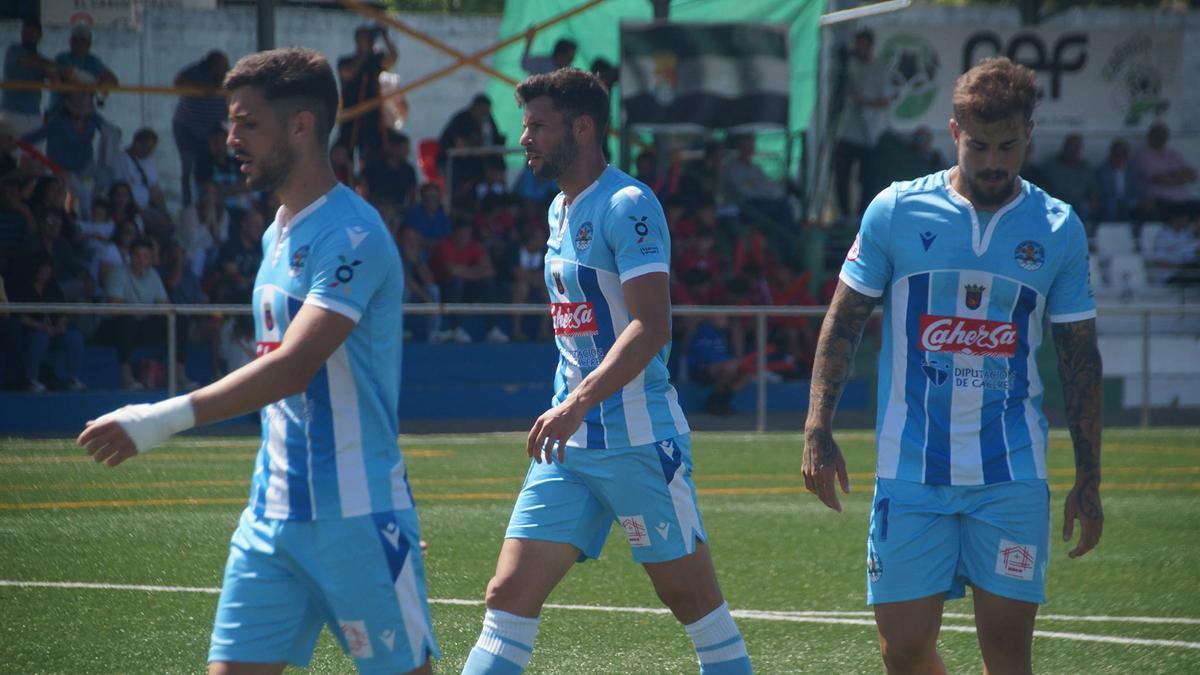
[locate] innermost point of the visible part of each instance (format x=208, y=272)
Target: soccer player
x=967, y=262
x=615, y=445
x=330, y=535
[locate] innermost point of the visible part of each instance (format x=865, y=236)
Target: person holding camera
x=359, y=73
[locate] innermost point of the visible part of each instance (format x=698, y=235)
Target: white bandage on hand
x=149, y=424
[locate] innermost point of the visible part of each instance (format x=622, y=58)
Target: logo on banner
x=1136, y=76
x=666, y=76
x=958, y=335
x=912, y=65
x=1030, y=255
x=974, y=296
x=576, y=319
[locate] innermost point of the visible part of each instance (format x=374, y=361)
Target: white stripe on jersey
x=571, y=371
x=681, y=423
x=353, y=490
x=892, y=428
x=408, y=596
x=966, y=403
x=633, y=394
x=277, y=486
x=1033, y=416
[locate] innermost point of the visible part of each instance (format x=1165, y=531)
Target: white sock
x=508, y=636
x=717, y=638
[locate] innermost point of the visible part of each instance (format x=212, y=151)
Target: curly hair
x=995, y=89
x=574, y=93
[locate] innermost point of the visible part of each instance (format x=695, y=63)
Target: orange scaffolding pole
x=473, y=59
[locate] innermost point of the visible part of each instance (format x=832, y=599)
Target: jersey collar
x=981, y=237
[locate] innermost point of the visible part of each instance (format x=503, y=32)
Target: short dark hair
x=564, y=45
x=995, y=89
x=481, y=98
x=296, y=77
x=573, y=92
x=141, y=242
x=144, y=134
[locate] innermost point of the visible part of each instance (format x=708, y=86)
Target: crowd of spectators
x=102, y=229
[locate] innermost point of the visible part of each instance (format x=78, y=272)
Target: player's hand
x=822, y=460
x=1083, y=504
x=554, y=427
x=106, y=441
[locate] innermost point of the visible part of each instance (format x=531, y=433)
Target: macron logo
x=927, y=239
x=388, y=638
x=356, y=237
x=663, y=528
x=392, y=534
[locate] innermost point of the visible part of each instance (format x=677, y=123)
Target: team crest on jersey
x=583, y=238
x=298, y=260
x=1030, y=255
x=974, y=295
x=935, y=372
x=344, y=274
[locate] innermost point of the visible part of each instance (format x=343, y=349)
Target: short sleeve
x=1070, y=298
x=636, y=231
x=349, y=266
x=868, y=266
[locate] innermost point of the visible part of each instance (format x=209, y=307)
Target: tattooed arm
x=840, y=335
x=1080, y=369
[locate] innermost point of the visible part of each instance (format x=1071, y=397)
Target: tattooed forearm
x=1080, y=368
x=840, y=334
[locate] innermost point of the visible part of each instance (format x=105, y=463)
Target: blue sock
x=504, y=646
x=719, y=645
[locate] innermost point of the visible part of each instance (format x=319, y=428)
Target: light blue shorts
x=646, y=489
x=362, y=576
x=930, y=539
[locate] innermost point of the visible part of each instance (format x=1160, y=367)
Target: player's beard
x=559, y=160
x=274, y=167
x=990, y=198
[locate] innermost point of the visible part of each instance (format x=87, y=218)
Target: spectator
x=930, y=157
x=1116, y=190
x=49, y=242
x=69, y=134
x=16, y=218
x=97, y=232
x=743, y=181
x=606, y=72
x=237, y=342
x=864, y=119
x=203, y=228
x=218, y=165
x=528, y=283
x=531, y=189
x=561, y=57
x=1176, y=251
x=8, y=147
x=428, y=217
x=1069, y=175
x=42, y=331
x=359, y=73
x=466, y=274
x=419, y=282
x=139, y=284
x=124, y=208
x=114, y=257
x=10, y=338
x=710, y=362
x=80, y=66
x=471, y=127
x=239, y=259
x=1168, y=177
x=700, y=181
x=138, y=168
x=23, y=63
x=390, y=177
x=196, y=115
x=183, y=288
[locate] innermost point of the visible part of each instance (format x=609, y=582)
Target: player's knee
x=687, y=600
x=907, y=650
x=508, y=594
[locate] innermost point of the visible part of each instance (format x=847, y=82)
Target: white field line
x=854, y=618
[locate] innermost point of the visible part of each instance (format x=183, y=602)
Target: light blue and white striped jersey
x=960, y=399
x=613, y=231
x=331, y=451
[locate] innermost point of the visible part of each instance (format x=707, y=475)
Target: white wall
x=171, y=39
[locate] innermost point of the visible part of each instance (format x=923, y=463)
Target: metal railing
x=760, y=314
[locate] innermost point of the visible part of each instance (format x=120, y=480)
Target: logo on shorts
x=388, y=638
x=635, y=530
x=358, y=641
x=663, y=528
x=1030, y=255
x=1016, y=561
x=392, y=534
x=874, y=566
